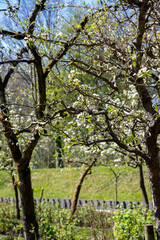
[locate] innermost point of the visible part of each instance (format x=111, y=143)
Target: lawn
x=60, y=183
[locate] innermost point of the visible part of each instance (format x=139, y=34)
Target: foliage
x=9, y=224
x=57, y=223
x=89, y=217
x=129, y=224
x=54, y=222
x=44, y=154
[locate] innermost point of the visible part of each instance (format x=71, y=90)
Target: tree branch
x=16, y=35
x=26, y=156
x=95, y=74
x=7, y=129
x=123, y=145
x=11, y=70
x=134, y=2
x=89, y=143
x=39, y=6
x=66, y=46
x=142, y=90
x=17, y=61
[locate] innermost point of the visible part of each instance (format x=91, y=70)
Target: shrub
x=54, y=222
x=97, y=221
x=57, y=224
x=129, y=224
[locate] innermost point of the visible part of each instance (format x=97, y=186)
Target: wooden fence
x=97, y=204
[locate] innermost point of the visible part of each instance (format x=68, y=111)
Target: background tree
x=116, y=178
x=86, y=171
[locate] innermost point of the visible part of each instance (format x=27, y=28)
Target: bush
x=54, y=222
x=57, y=224
x=129, y=224
x=97, y=221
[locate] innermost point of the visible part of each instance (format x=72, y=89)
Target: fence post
x=41, y=196
x=149, y=232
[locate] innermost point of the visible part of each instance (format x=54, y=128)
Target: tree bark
x=30, y=224
x=154, y=175
x=79, y=185
x=142, y=185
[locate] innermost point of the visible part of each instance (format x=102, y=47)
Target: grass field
x=60, y=183
x=3, y=237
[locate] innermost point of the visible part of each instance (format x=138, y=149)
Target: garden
x=87, y=223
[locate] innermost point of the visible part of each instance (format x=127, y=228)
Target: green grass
x=60, y=183
x=85, y=233
x=4, y=237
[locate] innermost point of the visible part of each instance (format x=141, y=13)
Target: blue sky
x=3, y=4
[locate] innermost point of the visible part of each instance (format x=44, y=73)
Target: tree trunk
x=16, y=196
x=142, y=185
x=30, y=224
x=116, y=177
x=154, y=175
x=60, y=163
x=116, y=190
x=79, y=185
x=41, y=196
x=153, y=165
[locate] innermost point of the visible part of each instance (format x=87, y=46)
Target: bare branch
x=94, y=142
x=14, y=64
x=3, y=10
x=122, y=145
x=66, y=46
x=17, y=61
x=143, y=92
x=96, y=75
x=16, y=35
x=39, y=6
x=134, y=2
x=8, y=130
x=9, y=73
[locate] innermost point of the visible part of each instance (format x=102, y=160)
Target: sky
x=3, y=5
x=3, y=2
